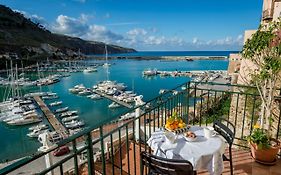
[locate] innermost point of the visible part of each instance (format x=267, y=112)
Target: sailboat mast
x=106, y=55
x=12, y=78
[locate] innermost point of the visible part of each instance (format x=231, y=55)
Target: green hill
x=32, y=41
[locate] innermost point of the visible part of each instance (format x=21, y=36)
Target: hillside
x=32, y=41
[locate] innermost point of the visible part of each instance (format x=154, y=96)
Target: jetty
x=113, y=99
x=55, y=123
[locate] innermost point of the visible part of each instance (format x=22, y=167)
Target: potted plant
x=263, y=148
x=264, y=50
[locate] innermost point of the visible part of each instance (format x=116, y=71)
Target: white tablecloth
x=203, y=153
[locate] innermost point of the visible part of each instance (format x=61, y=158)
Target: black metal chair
x=163, y=166
x=227, y=130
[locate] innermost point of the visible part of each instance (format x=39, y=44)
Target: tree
x=264, y=50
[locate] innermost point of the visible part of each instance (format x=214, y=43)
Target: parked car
x=61, y=151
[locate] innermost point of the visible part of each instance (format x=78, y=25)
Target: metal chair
x=222, y=126
x=163, y=166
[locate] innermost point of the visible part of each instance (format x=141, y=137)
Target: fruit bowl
x=178, y=130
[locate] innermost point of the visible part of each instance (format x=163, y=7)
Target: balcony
x=114, y=147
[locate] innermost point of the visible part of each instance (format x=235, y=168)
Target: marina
x=58, y=127
x=96, y=108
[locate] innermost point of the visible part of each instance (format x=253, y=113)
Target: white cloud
x=70, y=26
x=137, y=31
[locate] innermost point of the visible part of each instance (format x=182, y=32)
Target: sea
x=14, y=141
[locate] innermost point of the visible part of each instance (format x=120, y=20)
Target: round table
x=203, y=153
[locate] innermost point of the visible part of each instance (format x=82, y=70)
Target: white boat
x=24, y=121
x=49, y=97
x=96, y=97
x=74, y=131
x=56, y=103
x=89, y=70
x=74, y=124
x=149, y=72
x=38, y=127
x=61, y=110
x=70, y=118
x=74, y=90
x=35, y=133
x=106, y=65
x=114, y=105
x=68, y=113
x=85, y=92
x=127, y=116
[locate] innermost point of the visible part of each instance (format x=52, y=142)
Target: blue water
x=176, y=53
x=14, y=142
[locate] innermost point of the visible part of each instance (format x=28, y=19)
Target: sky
x=148, y=25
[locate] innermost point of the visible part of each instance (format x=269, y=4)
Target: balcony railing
x=114, y=147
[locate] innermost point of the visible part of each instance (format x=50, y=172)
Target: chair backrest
x=222, y=126
x=163, y=166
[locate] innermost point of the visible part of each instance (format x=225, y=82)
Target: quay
x=56, y=124
x=113, y=99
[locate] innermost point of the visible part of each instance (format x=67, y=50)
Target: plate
x=190, y=139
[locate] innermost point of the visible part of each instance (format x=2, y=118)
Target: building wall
x=277, y=11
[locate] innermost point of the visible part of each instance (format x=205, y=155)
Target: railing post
x=102, y=151
x=138, y=102
x=90, y=154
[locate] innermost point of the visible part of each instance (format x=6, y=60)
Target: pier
x=113, y=99
x=56, y=124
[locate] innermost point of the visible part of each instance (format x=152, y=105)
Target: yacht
x=60, y=110
x=56, y=103
x=96, y=97
x=149, y=72
x=114, y=105
x=24, y=120
x=68, y=113
x=38, y=127
x=74, y=124
x=70, y=118
x=89, y=70
x=36, y=132
x=85, y=92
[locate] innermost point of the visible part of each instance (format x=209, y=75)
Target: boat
x=114, y=105
x=149, y=72
x=61, y=110
x=74, y=131
x=85, y=92
x=56, y=103
x=128, y=116
x=24, y=121
x=68, y=113
x=74, y=124
x=49, y=97
x=36, y=132
x=38, y=127
x=70, y=118
x=74, y=90
x=89, y=70
x=96, y=97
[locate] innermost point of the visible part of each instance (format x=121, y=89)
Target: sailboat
x=106, y=64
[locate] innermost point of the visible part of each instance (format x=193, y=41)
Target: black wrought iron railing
x=114, y=147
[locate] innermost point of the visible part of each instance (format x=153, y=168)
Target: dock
x=55, y=123
x=113, y=99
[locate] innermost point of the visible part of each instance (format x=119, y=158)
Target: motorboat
x=60, y=110
x=70, y=118
x=49, y=97
x=96, y=97
x=90, y=69
x=68, y=113
x=74, y=124
x=149, y=72
x=114, y=105
x=36, y=132
x=56, y=103
x=85, y=92
x=38, y=127
x=24, y=120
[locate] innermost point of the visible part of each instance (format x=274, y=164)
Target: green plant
x=264, y=50
x=260, y=137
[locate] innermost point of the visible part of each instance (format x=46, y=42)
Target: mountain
x=32, y=41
